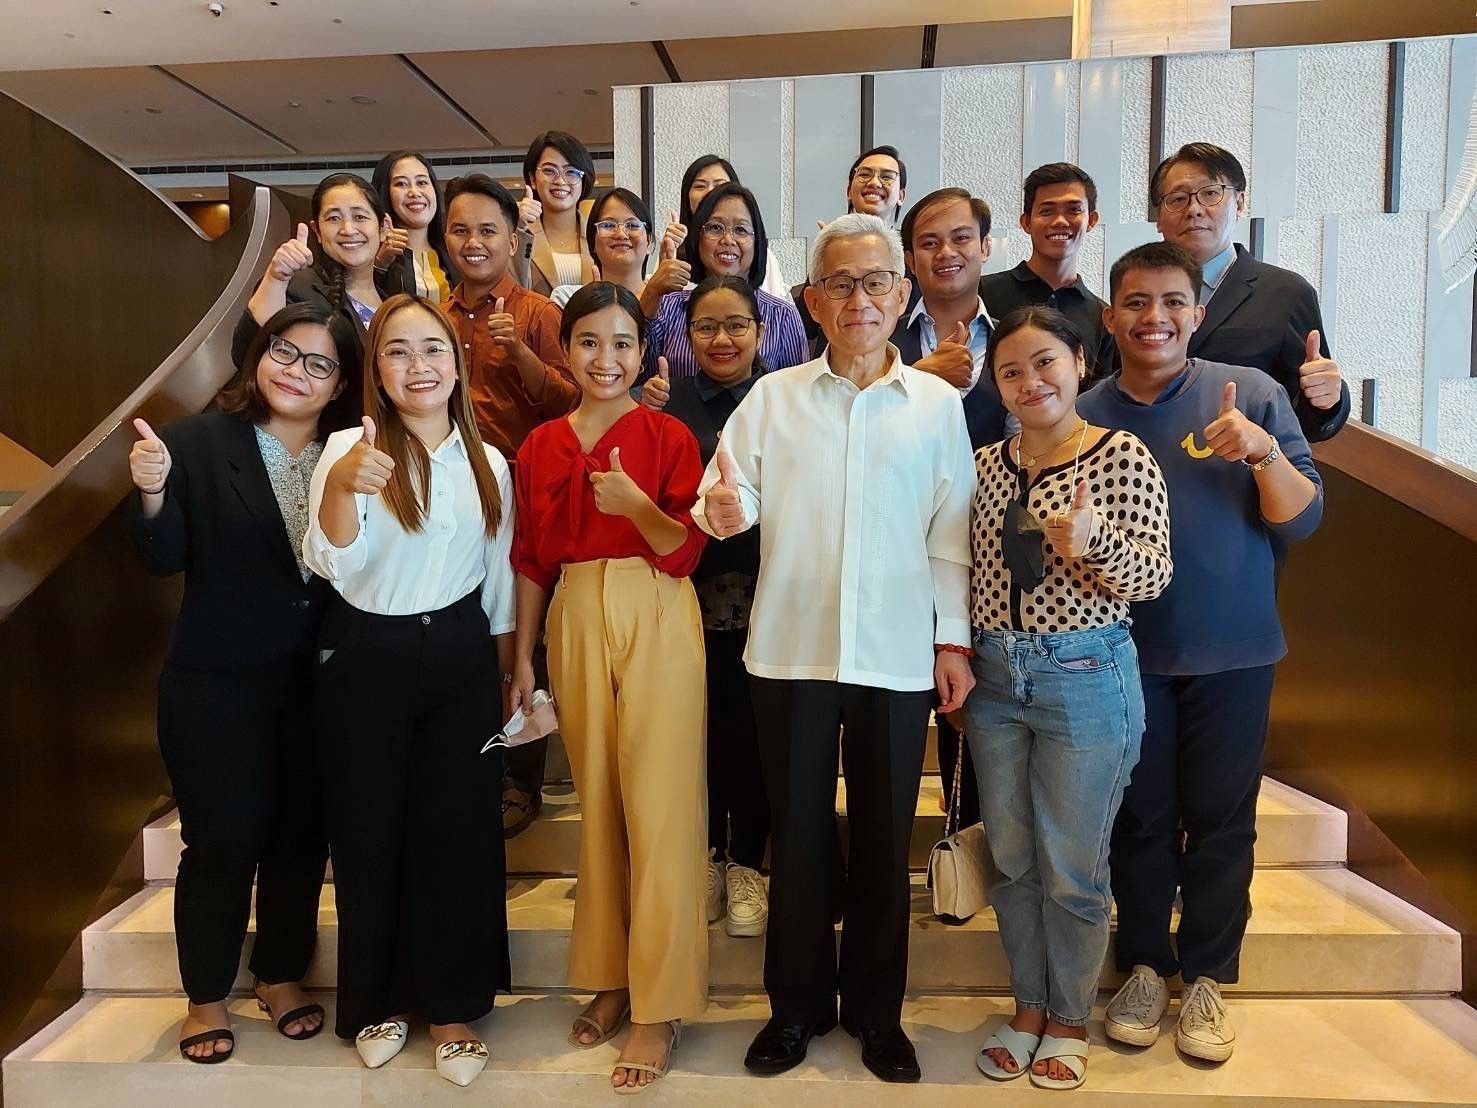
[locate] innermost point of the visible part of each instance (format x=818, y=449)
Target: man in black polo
x=1060, y=211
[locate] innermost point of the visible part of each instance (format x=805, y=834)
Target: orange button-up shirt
x=506, y=411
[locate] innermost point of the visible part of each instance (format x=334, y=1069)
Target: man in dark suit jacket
x=1256, y=314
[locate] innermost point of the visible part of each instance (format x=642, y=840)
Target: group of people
x=480, y=446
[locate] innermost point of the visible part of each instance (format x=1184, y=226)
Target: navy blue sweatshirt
x=1220, y=611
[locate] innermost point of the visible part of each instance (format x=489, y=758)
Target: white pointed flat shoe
x=461, y=1061
x=380, y=1042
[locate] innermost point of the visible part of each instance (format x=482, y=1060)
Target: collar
x=452, y=442
x=1167, y=393
x=505, y=287
x=1213, y=272
x=707, y=388
x=980, y=312
x=821, y=367
x=1028, y=276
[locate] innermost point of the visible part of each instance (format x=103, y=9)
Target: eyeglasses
x=285, y=353
x=1210, y=196
x=629, y=226
x=735, y=326
x=866, y=175
x=877, y=283
x=402, y=359
x=716, y=229
x=569, y=173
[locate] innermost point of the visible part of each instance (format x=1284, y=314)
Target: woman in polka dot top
x=1070, y=524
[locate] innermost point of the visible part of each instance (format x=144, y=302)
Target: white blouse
x=393, y=572
x=862, y=499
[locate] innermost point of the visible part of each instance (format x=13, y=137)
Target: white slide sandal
x=1062, y=1050
x=1020, y=1045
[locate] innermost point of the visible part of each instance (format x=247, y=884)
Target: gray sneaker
x=748, y=902
x=1134, y=1013
x=1205, y=1029
x=716, y=888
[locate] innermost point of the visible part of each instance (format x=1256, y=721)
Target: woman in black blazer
x=223, y=497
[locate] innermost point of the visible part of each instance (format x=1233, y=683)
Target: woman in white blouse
x=411, y=520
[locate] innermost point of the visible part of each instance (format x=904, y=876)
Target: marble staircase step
x=1313, y=931
x=119, y=1052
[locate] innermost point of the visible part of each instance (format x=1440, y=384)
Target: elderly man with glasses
x=1256, y=314
x=857, y=469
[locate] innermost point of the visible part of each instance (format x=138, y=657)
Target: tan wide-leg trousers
x=627, y=669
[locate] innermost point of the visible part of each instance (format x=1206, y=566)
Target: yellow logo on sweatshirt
x=1188, y=442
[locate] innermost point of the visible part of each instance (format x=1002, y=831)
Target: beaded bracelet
x=953, y=648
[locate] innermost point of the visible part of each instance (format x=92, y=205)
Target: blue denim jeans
x=1054, y=724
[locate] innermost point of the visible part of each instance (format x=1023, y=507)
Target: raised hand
x=363, y=469
x=671, y=275
x=530, y=211
x=1234, y=437
x=615, y=493
x=672, y=238
x=658, y=390
x=1319, y=378
x=1070, y=533
x=148, y=461
x=721, y=506
x=951, y=359
x=394, y=241
x=503, y=328
x=291, y=256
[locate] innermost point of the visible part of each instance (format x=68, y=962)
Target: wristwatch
x=1272, y=456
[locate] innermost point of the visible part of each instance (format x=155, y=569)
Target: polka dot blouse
x=1126, y=560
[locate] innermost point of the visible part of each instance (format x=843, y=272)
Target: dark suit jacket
x=1260, y=316
x=984, y=412
x=310, y=285
x=245, y=602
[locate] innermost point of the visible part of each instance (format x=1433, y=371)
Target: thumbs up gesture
x=394, y=241
x=721, y=505
x=951, y=359
x=1071, y=533
x=658, y=390
x=291, y=256
x=363, y=469
x=1319, y=377
x=615, y=493
x=503, y=328
x=530, y=211
x=148, y=461
x=672, y=238
x=1234, y=437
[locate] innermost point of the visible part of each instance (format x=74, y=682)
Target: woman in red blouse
x=604, y=524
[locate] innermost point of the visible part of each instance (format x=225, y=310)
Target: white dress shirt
x=979, y=337
x=390, y=571
x=862, y=498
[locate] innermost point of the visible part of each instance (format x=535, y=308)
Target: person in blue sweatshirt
x=1241, y=486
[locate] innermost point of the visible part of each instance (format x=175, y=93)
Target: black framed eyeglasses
x=879, y=282
x=735, y=326
x=1210, y=196
x=611, y=226
x=317, y=365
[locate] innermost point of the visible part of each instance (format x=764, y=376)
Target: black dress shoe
x=781, y=1046
x=887, y=1052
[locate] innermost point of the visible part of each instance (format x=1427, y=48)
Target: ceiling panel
x=1021, y=40
x=516, y=94
x=735, y=59
x=138, y=115
x=394, y=108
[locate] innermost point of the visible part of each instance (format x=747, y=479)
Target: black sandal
x=207, y=1037
x=292, y=1017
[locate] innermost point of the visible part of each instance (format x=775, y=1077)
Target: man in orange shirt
x=519, y=378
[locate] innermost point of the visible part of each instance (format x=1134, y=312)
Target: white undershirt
x=568, y=268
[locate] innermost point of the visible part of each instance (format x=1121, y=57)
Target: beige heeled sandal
x=656, y=1072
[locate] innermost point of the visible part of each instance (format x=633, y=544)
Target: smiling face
x=708, y=178
x=605, y=353
x=729, y=251
x=1059, y=220
x=867, y=191
x=947, y=251
x=1152, y=318
x=1203, y=231
x=1038, y=375
x=415, y=363
x=412, y=196
x=862, y=323
x=727, y=359
x=479, y=238
x=557, y=191
x=622, y=247
x=290, y=391
x=347, y=227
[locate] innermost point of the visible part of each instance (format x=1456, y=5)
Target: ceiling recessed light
x=107, y=11
x=154, y=111
x=336, y=19
x=591, y=92
x=360, y=98
x=197, y=196
x=294, y=103
x=68, y=34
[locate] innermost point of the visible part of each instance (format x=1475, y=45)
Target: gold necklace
x=1029, y=461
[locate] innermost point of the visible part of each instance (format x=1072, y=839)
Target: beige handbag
x=960, y=868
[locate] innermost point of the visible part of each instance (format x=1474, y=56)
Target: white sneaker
x=380, y=1042
x=1135, y=1011
x=715, y=888
x=1205, y=1029
x=748, y=902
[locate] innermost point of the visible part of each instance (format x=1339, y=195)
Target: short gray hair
x=854, y=225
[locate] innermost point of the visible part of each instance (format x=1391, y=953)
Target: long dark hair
x=436, y=231
x=714, y=283
x=1041, y=318
x=684, y=209
x=760, y=265
x=241, y=397
x=597, y=296
x=332, y=272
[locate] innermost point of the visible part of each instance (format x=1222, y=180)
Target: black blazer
x=245, y=602
x=984, y=411
x=1260, y=316
x=311, y=286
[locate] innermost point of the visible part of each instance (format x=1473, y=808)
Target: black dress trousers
x=404, y=705
x=881, y=735
x=738, y=809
